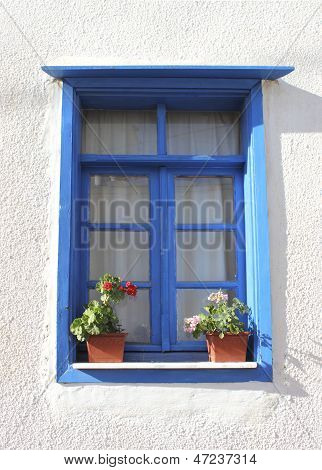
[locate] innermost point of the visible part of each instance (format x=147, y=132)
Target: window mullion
x=164, y=260
x=161, y=130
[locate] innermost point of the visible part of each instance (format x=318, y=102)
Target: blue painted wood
x=239, y=210
x=185, y=71
x=207, y=285
x=174, y=93
x=164, y=376
x=161, y=130
x=76, y=299
x=148, y=88
x=205, y=227
x=189, y=346
x=153, y=86
x=153, y=160
x=172, y=260
x=64, y=304
x=164, y=259
x=193, y=101
x=173, y=356
x=155, y=248
x=256, y=226
x=121, y=226
x=130, y=347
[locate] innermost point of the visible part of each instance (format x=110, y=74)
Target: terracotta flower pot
x=232, y=348
x=107, y=347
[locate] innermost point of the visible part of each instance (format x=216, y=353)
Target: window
x=163, y=182
x=190, y=234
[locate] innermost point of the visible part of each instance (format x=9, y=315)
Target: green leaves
x=221, y=319
x=77, y=328
x=96, y=319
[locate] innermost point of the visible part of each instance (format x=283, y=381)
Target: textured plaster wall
x=35, y=411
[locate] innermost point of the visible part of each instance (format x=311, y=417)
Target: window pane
x=122, y=199
x=202, y=133
x=205, y=199
x=119, y=132
x=191, y=302
x=134, y=315
x=120, y=252
x=205, y=256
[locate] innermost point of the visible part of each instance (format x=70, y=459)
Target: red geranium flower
x=131, y=290
x=107, y=286
x=122, y=289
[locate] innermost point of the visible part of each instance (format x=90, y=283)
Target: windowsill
x=164, y=365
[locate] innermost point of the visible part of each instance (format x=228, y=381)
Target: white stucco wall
x=35, y=411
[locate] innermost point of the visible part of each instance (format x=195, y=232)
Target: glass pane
x=204, y=200
x=134, y=315
x=205, y=256
x=202, y=133
x=191, y=302
x=121, y=199
x=119, y=132
x=120, y=252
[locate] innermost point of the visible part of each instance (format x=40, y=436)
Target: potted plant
x=225, y=333
x=99, y=325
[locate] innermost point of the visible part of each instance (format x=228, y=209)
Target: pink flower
x=190, y=324
x=218, y=297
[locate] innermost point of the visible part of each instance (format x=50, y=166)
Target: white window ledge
x=164, y=365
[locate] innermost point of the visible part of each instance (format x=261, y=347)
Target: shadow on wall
x=288, y=110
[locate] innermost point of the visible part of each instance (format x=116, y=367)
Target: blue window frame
x=198, y=88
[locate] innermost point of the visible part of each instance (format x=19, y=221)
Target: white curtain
x=119, y=132
x=204, y=255
x=135, y=132
x=119, y=199
x=120, y=252
x=202, y=133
